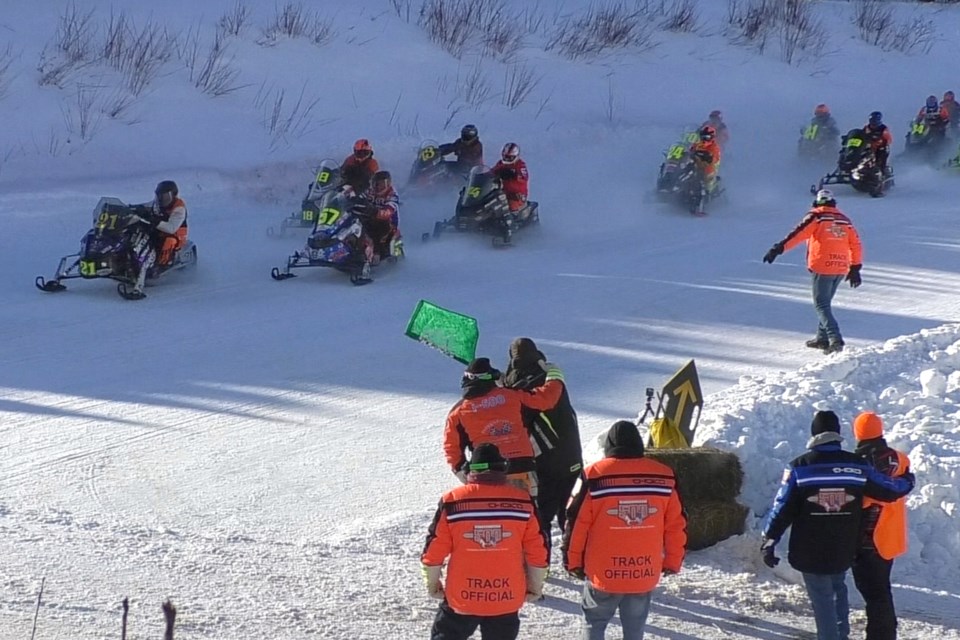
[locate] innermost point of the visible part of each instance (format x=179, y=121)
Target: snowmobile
x=483, y=206
x=116, y=248
x=814, y=142
x=857, y=166
x=430, y=172
x=681, y=182
x=327, y=179
x=923, y=141
x=336, y=240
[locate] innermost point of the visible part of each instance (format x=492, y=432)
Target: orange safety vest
x=890, y=534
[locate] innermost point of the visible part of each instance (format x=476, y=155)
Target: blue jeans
x=824, y=288
x=831, y=609
x=599, y=607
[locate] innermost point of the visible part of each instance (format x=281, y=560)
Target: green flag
x=452, y=333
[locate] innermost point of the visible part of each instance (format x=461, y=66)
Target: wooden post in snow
x=170, y=615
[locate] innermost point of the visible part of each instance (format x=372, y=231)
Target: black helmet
x=469, y=132
x=163, y=188
x=381, y=177
x=876, y=119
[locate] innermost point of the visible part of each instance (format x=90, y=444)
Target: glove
x=431, y=578
x=912, y=479
x=461, y=473
x=577, y=573
x=507, y=174
x=553, y=372
x=669, y=572
x=853, y=276
x=775, y=251
x=536, y=576
x=767, y=549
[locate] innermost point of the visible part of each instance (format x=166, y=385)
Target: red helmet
x=708, y=133
x=716, y=115
x=821, y=110
x=510, y=153
x=362, y=149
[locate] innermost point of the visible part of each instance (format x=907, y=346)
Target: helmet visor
x=165, y=198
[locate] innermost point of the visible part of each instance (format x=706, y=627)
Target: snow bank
x=912, y=382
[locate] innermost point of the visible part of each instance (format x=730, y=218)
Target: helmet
x=469, y=132
x=362, y=149
x=381, y=182
x=948, y=96
x=708, y=133
x=824, y=197
x=821, y=110
x=716, y=115
x=932, y=102
x=510, y=153
x=876, y=119
x=165, y=192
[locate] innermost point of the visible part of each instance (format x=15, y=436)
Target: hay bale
x=710, y=521
x=703, y=473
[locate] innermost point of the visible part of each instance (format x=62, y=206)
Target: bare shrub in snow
x=284, y=122
x=518, y=83
x=117, y=105
x=402, y=9
x=80, y=116
x=6, y=75
x=212, y=72
x=457, y=24
x=679, y=16
x=293, y=21
x=801, y=32
x=601, y=28
x=234, y=20
x=876, y=25
x=139, y=54
x=473, y=86
x=750, y=21
x=72, y=47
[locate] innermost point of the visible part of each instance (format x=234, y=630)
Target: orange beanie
x=867, y=426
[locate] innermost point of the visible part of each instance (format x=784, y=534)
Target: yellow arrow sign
x=684, y=393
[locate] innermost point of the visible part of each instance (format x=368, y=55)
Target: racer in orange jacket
x=497, y=554
x=880, y=140
x=490, y=413
x=625, y=528
x=715, y=120
x=358, y=168
x=834, y=253
x=706, y=156
x=513, y=175
x=950, y=103
x=884, y=529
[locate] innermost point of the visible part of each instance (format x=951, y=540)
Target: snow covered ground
x=267, y=454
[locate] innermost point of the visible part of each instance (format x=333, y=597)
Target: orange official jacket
x=833, y=244
x=490, y=532
x=890, y=532
x=496, y=417
x=627, y=525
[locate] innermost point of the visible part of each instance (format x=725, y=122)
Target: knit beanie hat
x=623, y=441
x=479, y=369
x=867, y=426
x=824, y=421
x=487, y=457
x=524, y=352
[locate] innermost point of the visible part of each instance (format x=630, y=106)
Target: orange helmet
x=510, y=153
x=821, y=110
x=362, y=149
x=708, y=133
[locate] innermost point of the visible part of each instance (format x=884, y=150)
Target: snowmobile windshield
x=328, y=175
x=480, y=184
x=429, y=153
x=111, y=216
x=331, y=211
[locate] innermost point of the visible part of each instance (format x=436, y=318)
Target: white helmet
x=824, y=197
x=510, y=153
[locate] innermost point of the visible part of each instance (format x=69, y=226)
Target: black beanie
x=489, y=455
x=623, y=441
x=824, y=421
x=479, y=370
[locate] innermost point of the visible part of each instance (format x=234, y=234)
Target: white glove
x=431, y=577
x=536, y=576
